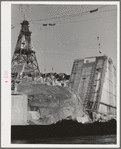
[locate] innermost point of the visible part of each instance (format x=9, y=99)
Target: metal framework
x=24, y=56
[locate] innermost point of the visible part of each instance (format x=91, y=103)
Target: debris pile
x=54, y=79
x=50, y=104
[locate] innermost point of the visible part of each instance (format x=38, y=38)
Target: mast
x=24, y=59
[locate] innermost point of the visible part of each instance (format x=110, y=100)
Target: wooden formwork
x=94, y=80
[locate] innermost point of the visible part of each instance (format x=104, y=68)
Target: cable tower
x=24, y=62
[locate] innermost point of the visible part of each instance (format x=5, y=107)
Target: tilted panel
x=73, y=72
x=97, y=83
x=85, y=86
x=76, y=74
x=108, y=97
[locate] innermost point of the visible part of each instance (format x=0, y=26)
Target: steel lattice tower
x=24, y=58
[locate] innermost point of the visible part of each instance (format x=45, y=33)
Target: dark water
x=104, y=139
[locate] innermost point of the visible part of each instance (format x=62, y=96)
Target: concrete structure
x=19, y=109
x=94, y=80
x=91, y=96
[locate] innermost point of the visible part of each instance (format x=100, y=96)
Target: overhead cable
x=65, y=16
x=75, y=21
x=16, y=19
x=70, y=16
x=13, y=26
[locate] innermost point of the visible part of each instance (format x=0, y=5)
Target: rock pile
x=50, y=104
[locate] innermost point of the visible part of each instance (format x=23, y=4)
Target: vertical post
x=83, y=87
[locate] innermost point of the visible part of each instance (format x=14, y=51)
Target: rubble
x=50, y=104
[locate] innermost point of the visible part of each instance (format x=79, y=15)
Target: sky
x=74, y=35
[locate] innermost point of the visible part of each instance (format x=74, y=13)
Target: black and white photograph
x=62, y=75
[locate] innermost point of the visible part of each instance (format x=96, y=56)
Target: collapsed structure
x=94, y=80
x=50, y=104
x=91, y=94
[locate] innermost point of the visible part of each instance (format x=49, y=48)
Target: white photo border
x=6, y=66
